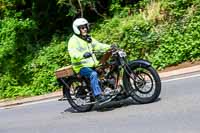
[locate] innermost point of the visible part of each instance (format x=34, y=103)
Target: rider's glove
x=87, y=55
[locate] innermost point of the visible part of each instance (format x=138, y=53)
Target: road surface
x=176, y=111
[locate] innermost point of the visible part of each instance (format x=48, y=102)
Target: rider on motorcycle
x=81, y=46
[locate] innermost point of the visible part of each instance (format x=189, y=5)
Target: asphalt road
x=177, y=111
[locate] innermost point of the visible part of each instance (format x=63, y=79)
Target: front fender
x=139, y=62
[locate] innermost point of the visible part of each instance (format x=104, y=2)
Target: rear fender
x=64, y=81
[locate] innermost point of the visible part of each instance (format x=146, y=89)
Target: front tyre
x=143, y=84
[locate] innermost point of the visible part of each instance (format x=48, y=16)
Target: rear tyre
x=79, y=95
x=145, y=86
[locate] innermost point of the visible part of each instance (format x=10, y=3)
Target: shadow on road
x=110, y=106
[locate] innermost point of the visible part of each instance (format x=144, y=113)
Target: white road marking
x=30, y=103
x=37, y=102
x=181, y=78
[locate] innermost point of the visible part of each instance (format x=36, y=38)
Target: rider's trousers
x=92, y=75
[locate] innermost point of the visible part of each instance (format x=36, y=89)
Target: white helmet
x=78, y=22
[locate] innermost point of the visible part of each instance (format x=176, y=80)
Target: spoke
x=79, y=94
x=143, y=83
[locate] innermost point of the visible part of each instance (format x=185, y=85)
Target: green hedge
x=159, y=39
x=39, y=72
x=163, y=32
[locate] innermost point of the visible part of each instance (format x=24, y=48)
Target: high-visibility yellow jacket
x=77, y=47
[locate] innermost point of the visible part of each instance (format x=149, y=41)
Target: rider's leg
x=92, y=75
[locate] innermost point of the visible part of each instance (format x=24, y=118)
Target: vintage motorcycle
x=118, y=78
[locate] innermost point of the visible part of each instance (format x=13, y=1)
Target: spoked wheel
x=143, y=84
x=79, y=95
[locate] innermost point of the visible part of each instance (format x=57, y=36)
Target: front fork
x=128, y=72
x=135, y=64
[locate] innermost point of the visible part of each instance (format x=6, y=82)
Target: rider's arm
x=97, y=46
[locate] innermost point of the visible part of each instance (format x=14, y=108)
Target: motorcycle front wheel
x=142, y=84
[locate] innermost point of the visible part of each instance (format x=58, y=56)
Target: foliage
x=43, y=66
x=164, y=39
x=84, y=8
x=133, y=34
x=15, y=38
x=34, y=34
x=39, y=71
x=178, y=43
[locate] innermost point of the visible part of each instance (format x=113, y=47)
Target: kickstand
x=62, y=99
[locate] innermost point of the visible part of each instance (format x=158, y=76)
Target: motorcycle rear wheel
x=79, y=95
